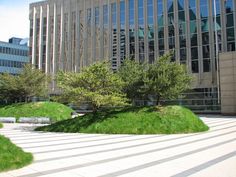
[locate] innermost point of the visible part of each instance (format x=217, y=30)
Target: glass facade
x=141, y=30
x=13, y=57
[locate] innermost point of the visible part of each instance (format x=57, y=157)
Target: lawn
x=147, y=120
x=11, y=156
x=55, y=111
x=1, y=125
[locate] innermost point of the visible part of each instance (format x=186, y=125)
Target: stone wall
x=227, y=63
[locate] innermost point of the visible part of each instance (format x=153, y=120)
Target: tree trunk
x=95, y=108
x=158, y=101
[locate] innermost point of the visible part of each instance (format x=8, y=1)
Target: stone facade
x=228, y=82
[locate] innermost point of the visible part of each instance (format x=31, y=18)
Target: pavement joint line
x=219, y=121
x=85, y=141
x=51, y=136
x=109, y=143
x=132, y=169
x=103, y=144
x=205, y=165
x=218, y=125
x=132, y=146
x=55, y=140
x=161, y=161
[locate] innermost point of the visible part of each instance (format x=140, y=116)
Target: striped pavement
x=208, y=154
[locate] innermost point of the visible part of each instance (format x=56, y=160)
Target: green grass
x=1, y=125
x=11, y=156
x=147, y=120
x=55, y=111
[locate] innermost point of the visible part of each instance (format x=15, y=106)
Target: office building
x=13, y=55
x=69, y=35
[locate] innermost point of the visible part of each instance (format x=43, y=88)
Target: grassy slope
x=166, y=120
x=55, y=111
x=11, y=156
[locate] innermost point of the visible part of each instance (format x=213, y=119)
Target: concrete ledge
x=35, y=120
x=8, y=119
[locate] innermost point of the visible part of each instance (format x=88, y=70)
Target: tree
x=132, y=73
x=165, y=79
x=30, y=82
x=96, y=84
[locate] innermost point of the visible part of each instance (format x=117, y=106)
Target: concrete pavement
x=209, y=154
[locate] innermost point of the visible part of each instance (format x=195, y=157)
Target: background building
x=13, y=55
x=68, y=35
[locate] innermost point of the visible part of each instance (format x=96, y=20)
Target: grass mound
x=1, y=125
x=11, y=156
x=147, y=120
x=55, y=111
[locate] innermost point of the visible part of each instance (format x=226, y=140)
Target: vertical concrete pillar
x=34, y=42
x=41, y=38
x=62, y=41
x=48, y=41
x=54, y=40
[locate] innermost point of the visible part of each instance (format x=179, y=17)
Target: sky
x=14, y=18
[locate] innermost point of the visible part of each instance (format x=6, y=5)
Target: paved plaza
x=209, y=154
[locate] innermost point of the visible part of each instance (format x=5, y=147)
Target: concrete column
x=199, y=34
x=188, y=38
x=176, y=28
x=127, y=28
x=54, y=41
x=85, y=36
x=77, y=38
x=41, y=38
x=212, y=41
x=166, y=35
x=156, y=46
x=109, y=31
x=48, y=41
x=71, y=68
x=62, y=41
x=101, y=54
x=223, y=27
x=93, y=31
x=118, y=32
x=34, y=42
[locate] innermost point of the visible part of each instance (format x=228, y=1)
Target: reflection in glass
x=141, y=31
x=131, y=30
x=151, y=46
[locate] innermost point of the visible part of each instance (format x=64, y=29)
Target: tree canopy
x=132, y=73
x=30, y=82
x=165, y=79
x=96, y=84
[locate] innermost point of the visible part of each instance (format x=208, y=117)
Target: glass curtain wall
x=171, y=24
x=204, y=15
x=131, y=29
x=182, y=31
x=160, y=27
x=229, y=11
x=151, y=37
x=141, y=31
x=193, y=36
